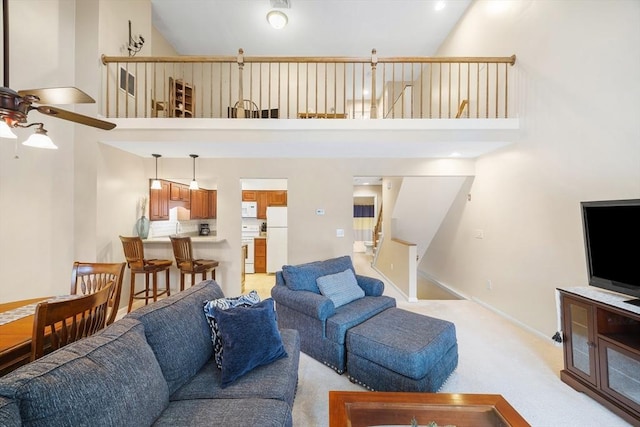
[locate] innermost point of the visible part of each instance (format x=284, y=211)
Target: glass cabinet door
x=580, y=349
x=621, y=369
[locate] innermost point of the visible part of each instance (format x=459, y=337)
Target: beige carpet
x=495, y=356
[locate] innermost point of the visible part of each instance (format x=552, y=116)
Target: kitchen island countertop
x=194, y=239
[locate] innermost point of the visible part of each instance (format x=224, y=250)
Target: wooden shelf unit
x=601, y=343
x=182, y=98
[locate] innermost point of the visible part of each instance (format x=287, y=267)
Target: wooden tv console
x=602, y=348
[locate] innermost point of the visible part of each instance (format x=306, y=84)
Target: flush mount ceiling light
x=277, y=19
x=155, y=184
x=194, y=183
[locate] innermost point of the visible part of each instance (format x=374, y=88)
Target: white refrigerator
x=276, y=238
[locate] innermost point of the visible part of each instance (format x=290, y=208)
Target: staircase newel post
x=240, y=104
x=374, y=107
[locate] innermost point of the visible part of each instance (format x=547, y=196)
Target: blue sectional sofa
x=153, y=367
x=323, y=327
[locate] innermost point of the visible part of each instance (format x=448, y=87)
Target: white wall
x=36, y=189
x=578, y=66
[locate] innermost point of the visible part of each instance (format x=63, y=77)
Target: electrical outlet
x=489, y=285
x=392, y=266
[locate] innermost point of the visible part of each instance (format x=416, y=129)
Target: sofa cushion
x=348, y=316
x=246, y=300
x=111, y=378
x=9, y=413
x=250, y=338
x=276, y=380
x=226, y=412
x=303, y=277
x=178, y=332
x=341, y=288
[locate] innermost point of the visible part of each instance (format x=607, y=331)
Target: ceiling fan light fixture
x=277, y=19
x=194, y=184
x=5, y=131
x=40, y=139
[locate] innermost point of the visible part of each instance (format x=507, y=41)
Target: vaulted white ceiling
x=315, y=27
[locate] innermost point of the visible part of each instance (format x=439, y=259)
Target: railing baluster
x=314, y=91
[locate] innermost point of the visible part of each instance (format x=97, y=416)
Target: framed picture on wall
x=127, y=82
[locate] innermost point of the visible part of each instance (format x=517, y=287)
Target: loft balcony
x=369, y=100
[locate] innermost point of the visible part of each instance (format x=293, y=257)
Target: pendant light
x=155, y=184
x=194, y=183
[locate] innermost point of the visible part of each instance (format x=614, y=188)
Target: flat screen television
x=612, y=244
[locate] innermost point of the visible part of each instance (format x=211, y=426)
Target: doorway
x=264, y=231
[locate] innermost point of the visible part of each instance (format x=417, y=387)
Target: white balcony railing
x=307, y=87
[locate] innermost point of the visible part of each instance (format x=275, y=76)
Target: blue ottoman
x=398, y=350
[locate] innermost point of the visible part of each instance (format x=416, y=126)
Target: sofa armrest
x=309, y=303
x=370, y=285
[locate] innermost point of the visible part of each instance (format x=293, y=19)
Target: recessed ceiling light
x=365, y=92
x=440, y=5
x=455, y=154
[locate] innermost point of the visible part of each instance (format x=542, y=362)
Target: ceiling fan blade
x=59, y=95
x=75, y=117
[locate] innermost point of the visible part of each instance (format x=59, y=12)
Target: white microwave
x=249, y=209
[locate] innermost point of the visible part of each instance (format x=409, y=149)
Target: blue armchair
x=323, y=327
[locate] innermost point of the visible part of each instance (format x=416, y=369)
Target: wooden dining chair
x=66, y=321
x=183, y=252
x=138, y=264
x=89, y=277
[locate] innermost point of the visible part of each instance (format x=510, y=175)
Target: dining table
x=16, y=329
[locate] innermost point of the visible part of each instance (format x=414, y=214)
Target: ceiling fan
x=15, y=106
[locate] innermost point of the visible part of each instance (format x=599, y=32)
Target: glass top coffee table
x=368, y=409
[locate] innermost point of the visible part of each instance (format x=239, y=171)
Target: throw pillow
x=341, y=288
x=250, y=338
x=246, y=300
x=303, y=277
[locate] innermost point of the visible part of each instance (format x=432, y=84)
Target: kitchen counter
x=194, y=239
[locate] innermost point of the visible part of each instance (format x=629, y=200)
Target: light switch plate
x=339, y=232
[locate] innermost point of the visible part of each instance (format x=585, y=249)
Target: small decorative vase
x=142, y=227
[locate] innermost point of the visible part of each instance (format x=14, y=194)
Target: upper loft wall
x=578, y=91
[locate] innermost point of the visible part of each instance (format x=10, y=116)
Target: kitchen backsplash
x=173, y=226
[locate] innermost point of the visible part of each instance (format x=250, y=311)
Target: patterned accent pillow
x=247, y=300
x=341, y=288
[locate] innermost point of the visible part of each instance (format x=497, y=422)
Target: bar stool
x=183, y=252
x=134, y=253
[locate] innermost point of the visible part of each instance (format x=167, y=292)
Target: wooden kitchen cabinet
x=265, y=198
x=262, y=204
x=179, y=192
x=249, y=196
x=277, y=198
x=159, y=202
x=260, y=255
x=199, y=204
x=213, y=204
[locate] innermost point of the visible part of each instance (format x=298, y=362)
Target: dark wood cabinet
x=260, y=255
x=602, y=349
x=159, y=202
